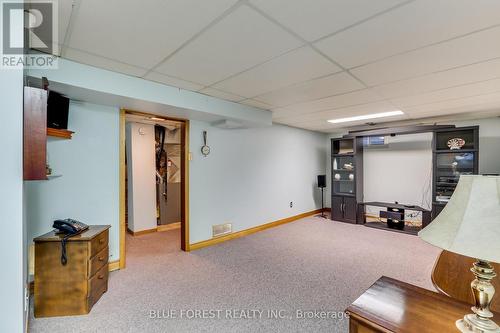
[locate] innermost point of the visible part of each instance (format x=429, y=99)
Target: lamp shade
x=470, y=223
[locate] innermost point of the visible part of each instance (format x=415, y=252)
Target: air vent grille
x=221, y=229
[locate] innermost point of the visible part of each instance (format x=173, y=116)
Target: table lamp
x=470, y=225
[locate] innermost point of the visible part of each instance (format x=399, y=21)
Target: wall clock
x=205, y=149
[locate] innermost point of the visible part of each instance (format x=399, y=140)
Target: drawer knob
x=101, y=240
x=101, y=258
x=100, y=277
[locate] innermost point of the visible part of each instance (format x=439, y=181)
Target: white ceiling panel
x=96, y=61
x=351, y=111
x=172, y=81
x=222, y=94
x=339, y=101
x=466, y=50
x=238, y=42
x=310, y=90
x=141, y=33
x=64, y=9
x=468, y=90
x=408, y=27
x=257, y=104
x=296, y=66
x=454, y=77
x=467, y=104
x=314, y=19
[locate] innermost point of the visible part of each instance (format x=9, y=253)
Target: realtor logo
x=29, y=34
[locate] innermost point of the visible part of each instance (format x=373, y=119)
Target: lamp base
x=472, y=324
x=483, y=291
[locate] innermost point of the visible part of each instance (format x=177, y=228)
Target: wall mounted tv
x=57, y=110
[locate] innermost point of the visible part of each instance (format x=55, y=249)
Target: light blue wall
x=89, y=164
x=12, y=235
x=251, y=175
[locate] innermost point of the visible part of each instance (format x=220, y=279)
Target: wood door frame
x=184, y=180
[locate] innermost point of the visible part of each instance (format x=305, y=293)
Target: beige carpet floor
x=309, y=265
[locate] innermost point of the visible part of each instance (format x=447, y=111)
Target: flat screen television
x=57, y=110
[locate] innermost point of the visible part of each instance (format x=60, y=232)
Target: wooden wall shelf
x=59, y=133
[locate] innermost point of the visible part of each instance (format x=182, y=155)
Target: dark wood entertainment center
x=448, y=163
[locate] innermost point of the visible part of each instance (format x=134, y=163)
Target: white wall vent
x=221, y=229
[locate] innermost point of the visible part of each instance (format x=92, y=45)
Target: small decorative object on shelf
x=337, y=176
x=351, y=176
x=456, y=143
x=348, y=166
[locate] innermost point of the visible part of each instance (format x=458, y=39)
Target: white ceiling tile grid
x=238, y=42
x=141, y=33
x=296, y=66
x=458, y=52
x=414, y=25
x=315, y=19
x=310, y=90
x=425, y=57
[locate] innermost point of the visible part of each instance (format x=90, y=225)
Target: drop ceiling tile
x=314, y=19
x=408, y=27
x=64, y=8
x=454, y=77
x=221, y=94
x=96, y=61
x=351, y=111
x=334, y=102
x=257, y=104
x=238, y=42
x=141, y=33
x=172, y=81
x=467, y=104
x=296, y=66
x=462, y=51
x=310, y=90
x=468, y=90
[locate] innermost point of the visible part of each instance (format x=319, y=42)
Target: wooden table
x=390, y=305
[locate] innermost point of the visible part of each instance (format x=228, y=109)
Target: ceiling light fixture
x=367, y=116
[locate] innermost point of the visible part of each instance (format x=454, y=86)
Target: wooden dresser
x=393, y=306
x=72, y=289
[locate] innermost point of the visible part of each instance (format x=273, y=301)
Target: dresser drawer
x=98, y=243
x=98, y=285
x=97, y=261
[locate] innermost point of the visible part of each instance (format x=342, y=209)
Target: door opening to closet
x=155, y=183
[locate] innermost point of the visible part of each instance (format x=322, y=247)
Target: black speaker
x=321, y=181
x=57, y=110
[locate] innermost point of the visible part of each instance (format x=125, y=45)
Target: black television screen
x=57, y=110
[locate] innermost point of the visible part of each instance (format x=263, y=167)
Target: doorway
x=164, y=204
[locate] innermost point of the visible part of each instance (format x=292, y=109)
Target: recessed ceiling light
x=367, y=116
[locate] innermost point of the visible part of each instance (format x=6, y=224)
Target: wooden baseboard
x=250, y=231
x=166, y=227
x=160, y=228
x=114, y=265
x=142, y=232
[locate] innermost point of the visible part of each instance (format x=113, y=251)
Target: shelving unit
x=35, y=134
x=347, y=182
x=59, y=133
x=449, y=164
